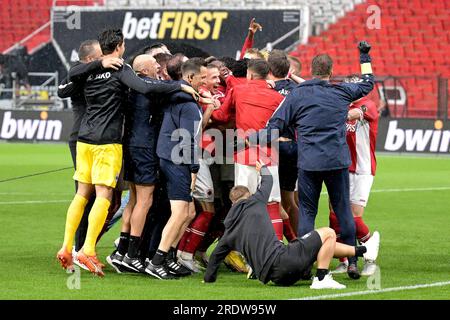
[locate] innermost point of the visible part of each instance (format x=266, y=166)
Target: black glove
x=364, y=49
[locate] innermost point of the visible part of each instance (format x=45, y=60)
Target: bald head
x=146, y=65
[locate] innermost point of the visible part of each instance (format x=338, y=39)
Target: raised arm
x=248, y=43
x=217, y=257
x=356, y=91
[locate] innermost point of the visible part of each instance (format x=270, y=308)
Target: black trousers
x=338, y=187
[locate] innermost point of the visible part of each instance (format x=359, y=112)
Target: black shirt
x=74, y=91
x=106, y=93
x=249, y=230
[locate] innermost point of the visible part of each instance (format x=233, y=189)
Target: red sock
x=186, y=235
x=275, y=216
x=199, y=227
x=334, y=224
x=362, y=230
x=287, y=230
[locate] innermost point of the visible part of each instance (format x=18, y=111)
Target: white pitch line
x=34, y=202
x=367, y=292
x=404, y=190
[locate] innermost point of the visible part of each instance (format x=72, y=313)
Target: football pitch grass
x=409, y=205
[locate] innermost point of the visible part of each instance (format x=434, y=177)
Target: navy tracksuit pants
x=338, y=186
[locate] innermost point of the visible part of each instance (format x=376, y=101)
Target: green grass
x=414, y=227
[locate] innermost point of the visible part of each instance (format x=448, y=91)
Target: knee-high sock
x=184, y=239
x=97, y=218
x=199, y=227
x=288, y=231
x=275, y=216
x=74, y=215
x=362, y=230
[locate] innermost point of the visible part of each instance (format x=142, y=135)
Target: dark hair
x=228, y=62
x=278, y=63
x=240, y=68
x=260, y=67
x=156, y=45
x=162, y=59
x=321, y=66
x=86, y=49
x=110, y=39
x=193, y=65
x=2, y=58
x=211, y=59
x=238, y=192
x=174, y=66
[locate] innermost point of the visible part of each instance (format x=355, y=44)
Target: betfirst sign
x=414, y=135
x=175, y=25
x=216, y=32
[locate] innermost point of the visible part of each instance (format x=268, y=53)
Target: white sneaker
x=370, y=267
x=327, y=283
x=341, y=268
x=76, y=262
x=372, y=245
x=190, y=264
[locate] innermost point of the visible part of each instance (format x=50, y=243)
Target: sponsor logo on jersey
x=175, y=25
x=105, y=75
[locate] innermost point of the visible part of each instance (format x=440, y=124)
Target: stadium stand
x=410, y=44
x=19, y=19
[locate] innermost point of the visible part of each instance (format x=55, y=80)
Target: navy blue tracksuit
x=318, y=110
x=178, y=144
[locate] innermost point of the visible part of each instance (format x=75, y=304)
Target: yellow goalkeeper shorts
x=98, y=164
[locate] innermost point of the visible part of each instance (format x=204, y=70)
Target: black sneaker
x=133, y=264
x=353, y=271
x=159, y=271
x=115, y=260
x=177, y=269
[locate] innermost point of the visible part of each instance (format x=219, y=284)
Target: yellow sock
x=74, y=215
x=97, y=218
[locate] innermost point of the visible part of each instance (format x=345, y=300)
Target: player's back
x=106, y=97
x=255, y=103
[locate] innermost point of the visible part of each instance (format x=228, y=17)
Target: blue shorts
x=287, y=168
x=141, y=165
x=178, y=177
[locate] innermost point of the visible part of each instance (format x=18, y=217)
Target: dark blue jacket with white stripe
x=318, y=111
x=181, y=131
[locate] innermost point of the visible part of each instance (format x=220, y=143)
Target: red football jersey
x=252, y=104
x=362, y=138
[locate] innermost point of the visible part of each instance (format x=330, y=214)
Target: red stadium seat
x=412, y=41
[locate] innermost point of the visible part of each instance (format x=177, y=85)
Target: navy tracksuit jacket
x=318, y=110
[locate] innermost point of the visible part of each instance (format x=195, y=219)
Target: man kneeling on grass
x=248, y=229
